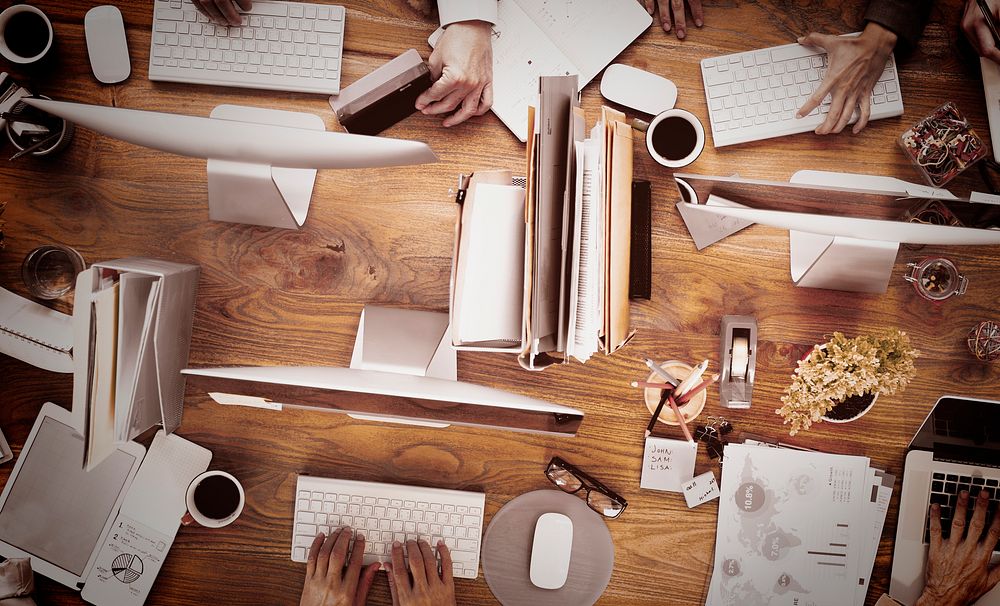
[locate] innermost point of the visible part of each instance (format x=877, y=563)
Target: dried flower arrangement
x=842, y=368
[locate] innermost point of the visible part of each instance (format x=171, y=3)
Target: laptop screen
x=962, y=430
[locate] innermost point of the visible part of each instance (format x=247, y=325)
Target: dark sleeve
x=905, y=18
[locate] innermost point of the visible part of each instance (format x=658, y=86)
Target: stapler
x=738, y=338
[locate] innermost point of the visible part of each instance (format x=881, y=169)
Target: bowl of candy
x=942, y=145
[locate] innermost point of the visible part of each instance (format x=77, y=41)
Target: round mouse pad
x=506, y=554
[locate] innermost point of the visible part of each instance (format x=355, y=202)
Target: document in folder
x=489, y=283
x=618, y=227
x=558, y=96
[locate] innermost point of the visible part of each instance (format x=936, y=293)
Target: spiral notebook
x=35, y=334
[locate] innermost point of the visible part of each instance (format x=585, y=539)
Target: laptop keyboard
x=945, y=488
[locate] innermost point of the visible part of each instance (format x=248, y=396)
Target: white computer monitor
x=403, y=370
x=261, y=163
x=844, y=229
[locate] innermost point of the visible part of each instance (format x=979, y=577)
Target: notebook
x=562, y=37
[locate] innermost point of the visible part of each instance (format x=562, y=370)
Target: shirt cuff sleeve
x=905, y=18
x=453, y=11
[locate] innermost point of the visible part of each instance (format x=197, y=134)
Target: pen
x=691, y=393
x=989, y=21
x=666, y=376
x=656, y=413
x=37, y=144
x=648, y=385
x=691, y=379
x=680, y=418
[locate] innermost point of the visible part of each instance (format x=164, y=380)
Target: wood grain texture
x=385, y=236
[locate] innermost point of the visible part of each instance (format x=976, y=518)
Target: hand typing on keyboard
x=223, y=12
x=958, y=571
x=462, y=65
x=423, y=585
x=328, y=582
x=675, y=7
x=854, y=66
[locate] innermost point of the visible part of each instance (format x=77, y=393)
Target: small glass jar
x=936, y=279
x=50, y=271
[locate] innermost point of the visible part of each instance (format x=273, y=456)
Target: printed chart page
x=793, y=527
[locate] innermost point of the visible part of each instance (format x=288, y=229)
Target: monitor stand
x=258, y=194
x=404, y=341
x=841, y=263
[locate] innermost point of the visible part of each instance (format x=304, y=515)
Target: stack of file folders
x=542, y=269
x=796, y=527
x=132, y=322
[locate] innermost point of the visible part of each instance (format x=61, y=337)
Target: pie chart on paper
x=127, y=568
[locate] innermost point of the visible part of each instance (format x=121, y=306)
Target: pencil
x=658, y=371
x=680, y=418
x=697, y=389
x=691, y=379
x=656, y=413
x=648, y=385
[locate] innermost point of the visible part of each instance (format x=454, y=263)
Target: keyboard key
x=329, y=27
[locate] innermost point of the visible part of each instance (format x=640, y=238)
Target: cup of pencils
x=690, y=409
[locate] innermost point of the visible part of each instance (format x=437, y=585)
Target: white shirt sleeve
x=453, y=11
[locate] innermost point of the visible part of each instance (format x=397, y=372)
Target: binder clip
x=738, y=338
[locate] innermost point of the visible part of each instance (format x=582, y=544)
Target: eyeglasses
x=600, y=498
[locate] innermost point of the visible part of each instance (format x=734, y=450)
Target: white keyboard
x=390, y=512
x=287, y=46
x=754, y=95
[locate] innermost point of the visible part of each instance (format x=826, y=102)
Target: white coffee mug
x=6, y=51
x=696, y=146
x=195, y=517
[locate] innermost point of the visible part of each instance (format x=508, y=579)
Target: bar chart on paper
x=790, y=528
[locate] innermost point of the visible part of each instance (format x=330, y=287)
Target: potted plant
x=839, y=380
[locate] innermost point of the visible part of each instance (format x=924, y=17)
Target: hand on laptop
x=428, y=587
x=675, y=8
x=223, y=12
x=328, y=583
x=462, y=65
x=958, y=571
x=854, y=66
x=976, y=30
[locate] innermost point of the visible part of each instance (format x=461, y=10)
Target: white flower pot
x=855, y=417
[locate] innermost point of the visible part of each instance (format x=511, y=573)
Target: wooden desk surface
x=280, y=297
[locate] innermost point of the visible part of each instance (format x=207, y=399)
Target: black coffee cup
x=214, y=499
x=26, y=34
x=675, y=138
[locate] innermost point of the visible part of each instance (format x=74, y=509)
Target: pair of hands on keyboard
x=333, y=579
x=461, y=64
x=958, y=571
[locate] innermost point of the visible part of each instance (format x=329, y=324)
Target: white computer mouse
x=106, y=44
x=550, y=551
x=638, y=89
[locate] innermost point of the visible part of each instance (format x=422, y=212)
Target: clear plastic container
x=942, y=145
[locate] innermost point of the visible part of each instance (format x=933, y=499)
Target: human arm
x=672, y=14
x=223, y=12
x=854, y=64
x=328, y=582
x=958, y=571
x=978, y=32
x=462, y=62
x=423, y=585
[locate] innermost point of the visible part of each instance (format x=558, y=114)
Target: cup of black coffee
x=214, y=499
x=675, y=138
x=26, y=34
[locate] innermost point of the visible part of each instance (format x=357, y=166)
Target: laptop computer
x=957, y=448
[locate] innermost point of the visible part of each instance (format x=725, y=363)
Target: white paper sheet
x=667, y=464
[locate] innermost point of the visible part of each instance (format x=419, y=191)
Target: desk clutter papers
x=701, y=489
x=487, y=301
x=532, y=39
x=131, y=331
x=35, y=334
x=668, y=464
x=796, y=527
x=140, y=537
x=561, y=289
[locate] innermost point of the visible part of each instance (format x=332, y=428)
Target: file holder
x=258, y=194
